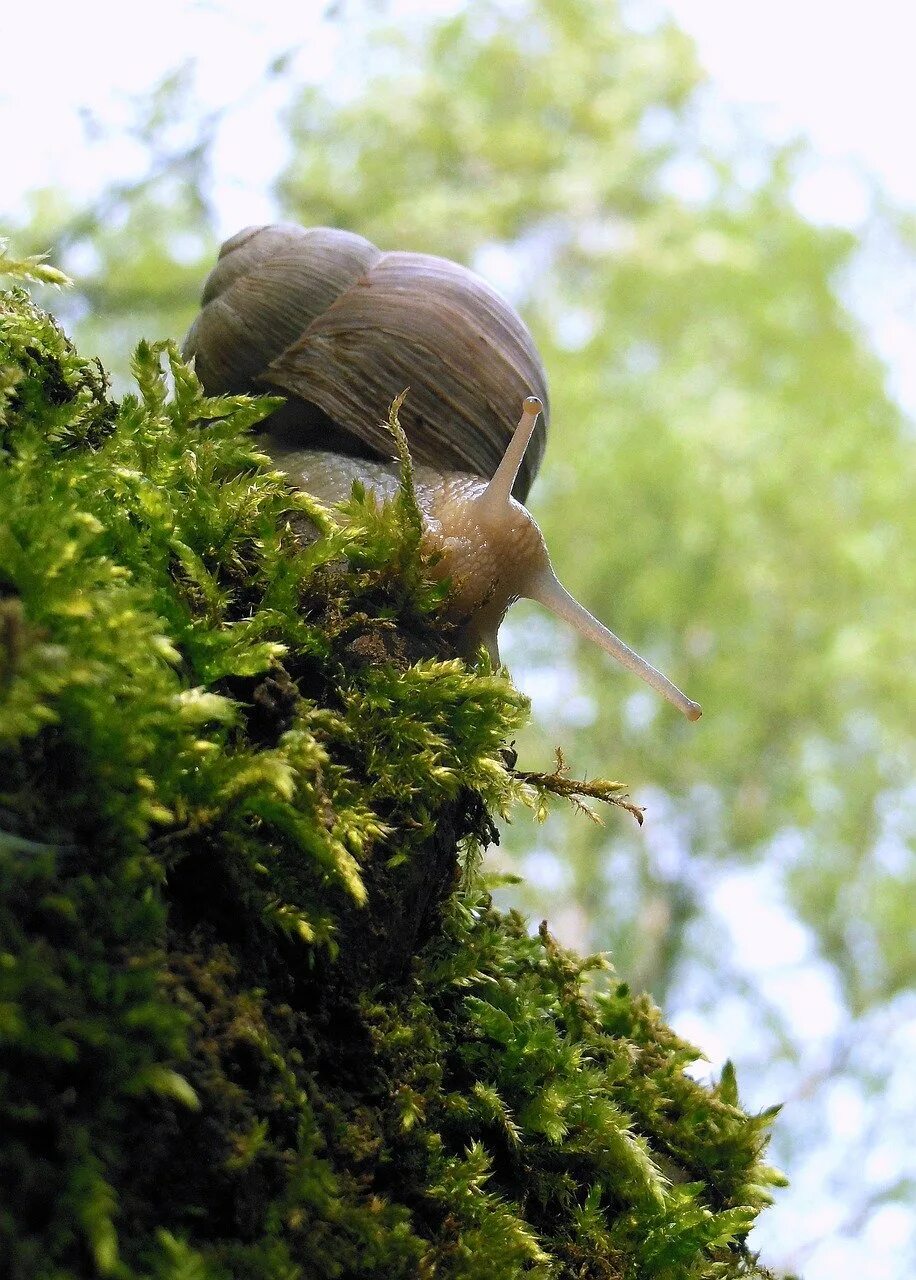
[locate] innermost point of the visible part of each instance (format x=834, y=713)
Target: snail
x=341, y=328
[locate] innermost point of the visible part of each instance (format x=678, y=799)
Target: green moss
x=254, y=1022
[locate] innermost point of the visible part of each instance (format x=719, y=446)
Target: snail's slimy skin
x=489, y=546
x=489, y=555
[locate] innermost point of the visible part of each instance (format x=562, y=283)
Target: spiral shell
x=326, y=318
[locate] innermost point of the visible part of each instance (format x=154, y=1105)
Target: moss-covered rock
x=257, y=1017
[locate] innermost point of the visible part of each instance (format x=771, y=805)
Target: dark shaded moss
x=256, y=1020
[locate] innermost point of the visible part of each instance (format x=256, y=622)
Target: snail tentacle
x=547, y=590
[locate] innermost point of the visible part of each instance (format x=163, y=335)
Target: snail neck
x=489, y=552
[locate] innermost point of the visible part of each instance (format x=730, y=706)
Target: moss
x=257, y=1018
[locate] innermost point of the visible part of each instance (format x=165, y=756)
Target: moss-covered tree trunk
x=258, y=1018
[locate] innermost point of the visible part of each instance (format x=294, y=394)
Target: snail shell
x=342, y=328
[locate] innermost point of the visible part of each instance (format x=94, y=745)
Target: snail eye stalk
x=499, y=490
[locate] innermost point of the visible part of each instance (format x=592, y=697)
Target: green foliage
x=229, y=735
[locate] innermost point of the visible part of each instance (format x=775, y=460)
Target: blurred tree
x=138, y=252
x=747, y=477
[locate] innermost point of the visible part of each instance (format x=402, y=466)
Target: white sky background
x=839, y=72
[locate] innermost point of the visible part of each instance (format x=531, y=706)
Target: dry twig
x=559, y=783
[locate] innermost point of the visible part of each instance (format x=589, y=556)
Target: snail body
x=484, y=550
x=341, y=328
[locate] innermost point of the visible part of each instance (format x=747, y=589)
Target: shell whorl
x=328, y=319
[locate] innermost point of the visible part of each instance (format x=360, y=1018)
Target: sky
x=836, y=72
